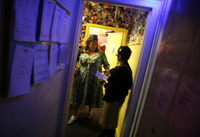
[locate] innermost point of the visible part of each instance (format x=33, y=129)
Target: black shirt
x=119, y=83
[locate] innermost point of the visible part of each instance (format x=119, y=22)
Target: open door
x=158, y=11
x=113, y=43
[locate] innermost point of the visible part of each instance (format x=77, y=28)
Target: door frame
x=124, y=31
x=158, y=17
x=158, y=11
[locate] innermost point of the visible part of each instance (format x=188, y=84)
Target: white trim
x=71, y=69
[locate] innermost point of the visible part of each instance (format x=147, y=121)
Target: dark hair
x=93, y=36
x=89, y=40
x=125, y=52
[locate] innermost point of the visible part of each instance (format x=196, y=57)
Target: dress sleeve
x=105, y=62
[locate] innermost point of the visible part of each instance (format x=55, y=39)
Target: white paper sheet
x=101, y=75
x=166, y=91
x=20, y=78
x=47, y=16
x=57, y=24
x=60, y=66
x=64, y=54
x=41, y=68
x=184, y=118
x=26, y=13
x=64, y=37
x=53, y=59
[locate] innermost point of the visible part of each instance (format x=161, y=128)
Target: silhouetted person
x=119, y=82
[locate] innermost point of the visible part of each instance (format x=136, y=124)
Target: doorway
x=145, y=49
x=131, y=21
x=113, y=38
x=128, y=30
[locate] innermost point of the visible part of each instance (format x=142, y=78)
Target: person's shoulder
x=124, y=68
x=81, y=51
x=100, y=52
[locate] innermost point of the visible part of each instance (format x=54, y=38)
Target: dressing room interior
x=40, y=42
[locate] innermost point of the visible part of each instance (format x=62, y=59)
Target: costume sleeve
x=105, y=62
x=80, y=51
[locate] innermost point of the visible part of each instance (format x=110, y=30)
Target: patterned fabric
x=87, y=90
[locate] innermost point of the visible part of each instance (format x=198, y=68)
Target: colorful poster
x=166, y=91
x=185, y=115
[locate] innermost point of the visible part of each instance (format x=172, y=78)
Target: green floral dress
x=87, y=90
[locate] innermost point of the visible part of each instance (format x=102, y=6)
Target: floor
x=84, y=127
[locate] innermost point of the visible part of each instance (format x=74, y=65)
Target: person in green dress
x=87, y=90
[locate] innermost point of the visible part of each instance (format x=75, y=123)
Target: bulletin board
x=35, y=44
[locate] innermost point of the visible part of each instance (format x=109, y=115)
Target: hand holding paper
x=101, y=76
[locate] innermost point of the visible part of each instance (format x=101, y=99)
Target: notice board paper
x=65, y=29
x=41, y=68
x=47, y=16
x=184, y=118
x=57, y=24
x=166, y=91
x=64, y=54
x=21, y=70
x=26, y=13
x=53, y=59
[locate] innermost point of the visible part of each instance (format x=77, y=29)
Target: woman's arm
x=105, y=62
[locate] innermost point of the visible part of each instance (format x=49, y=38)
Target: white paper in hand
x=101, y=75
